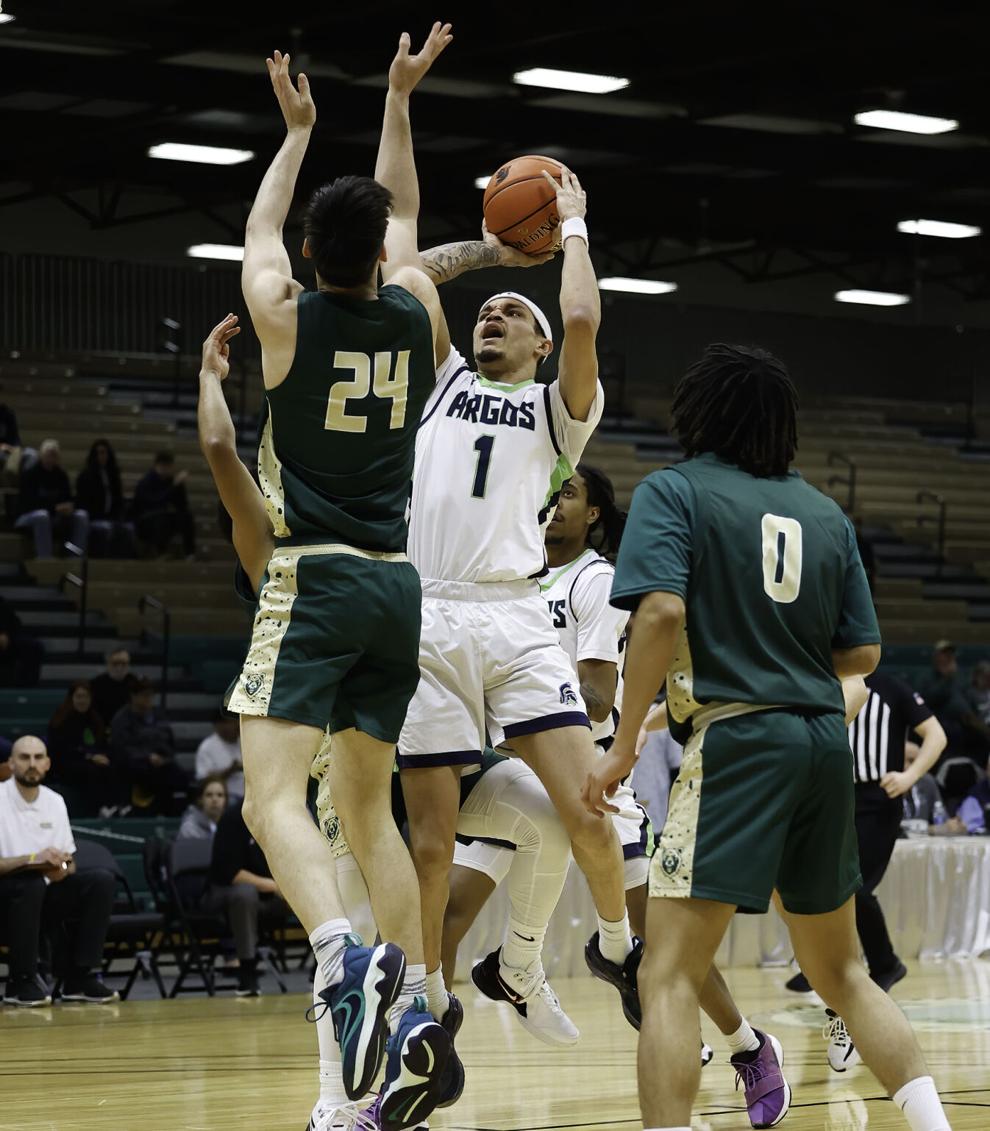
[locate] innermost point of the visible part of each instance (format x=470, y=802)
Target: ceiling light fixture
x=569, y=80
x=941, y=229
x=6, y=18
x=636, y=286
x=481, y=182
x=216, y=251
x=201, y=154
x=872, y=298
x=906, y=123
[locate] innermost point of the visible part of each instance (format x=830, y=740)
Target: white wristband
x=575, y=226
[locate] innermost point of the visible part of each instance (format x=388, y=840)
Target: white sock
x=615, y=939
x=331, y=1073
x=921, y=1106
x=744, y=1039
x=413, y=984
x=329, y=943
x=523, y=946
x=436, y=993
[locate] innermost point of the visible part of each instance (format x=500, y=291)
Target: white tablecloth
x=935, y=895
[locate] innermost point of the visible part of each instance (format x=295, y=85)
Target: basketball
x=521, y=207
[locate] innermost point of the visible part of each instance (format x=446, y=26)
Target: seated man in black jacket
x=20, y=654
x=241, y=886
x=143, y=747
x=45, y=506
x=161, y=509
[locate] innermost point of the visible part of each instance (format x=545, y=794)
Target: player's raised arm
x=580, y=302
x=396, y=164
x=448, y=261
x=266, y=275
x=240, y=495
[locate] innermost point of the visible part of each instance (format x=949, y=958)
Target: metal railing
x=848, y=481
x=149, y=602
x=926, y=496
x=81, y=582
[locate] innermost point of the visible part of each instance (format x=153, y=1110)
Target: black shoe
x=889, y=978
x=27, y=992
x=453, y=1078
x=624, y=977
x=247, y=983
x=799, y=984
x=89, y=988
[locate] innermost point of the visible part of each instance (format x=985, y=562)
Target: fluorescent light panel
x=569, y=80
x=941, y=229
x=216, y=251
x=202, y=154
x=636, y=286
x=906, y=123
x=481, y=182
x=872, y=298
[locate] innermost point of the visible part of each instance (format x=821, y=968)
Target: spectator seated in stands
x=161, y=509
x=979, y=692
x=20, y=654
x=199, y=822
x=14, y=458
x=974, y=812
x=99, y=492
x=143, y=749
x=77, y=740
x=41, y=892
x=45, y=507
x=112, y=689
x=242, y=888
x=219, y=754
x=945, y=693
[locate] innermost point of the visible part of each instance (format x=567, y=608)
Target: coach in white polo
x=40, y=889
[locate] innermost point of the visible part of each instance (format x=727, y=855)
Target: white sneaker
x=842, y=1053
x=707, y=1054
x=344, y=1117
x=541, y=1015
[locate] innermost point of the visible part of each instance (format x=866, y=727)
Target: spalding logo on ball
x=521, y=206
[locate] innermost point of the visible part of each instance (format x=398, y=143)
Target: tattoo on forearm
x=452, y=259
x=595, y=704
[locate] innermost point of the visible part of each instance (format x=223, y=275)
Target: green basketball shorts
x=762, y=801
x=335, y=641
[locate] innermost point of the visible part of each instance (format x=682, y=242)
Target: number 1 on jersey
x=782, y=558
x=483, y=446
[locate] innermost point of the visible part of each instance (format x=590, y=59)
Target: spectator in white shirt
x=219, y=755
x=40, y=889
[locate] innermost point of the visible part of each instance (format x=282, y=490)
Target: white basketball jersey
x=490, y=462
x=588, y=626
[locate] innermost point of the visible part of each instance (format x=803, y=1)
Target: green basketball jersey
x=770, y=576
x=336, y=456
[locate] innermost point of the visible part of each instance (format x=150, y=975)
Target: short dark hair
x=142, y=685
x=165, y=457
x=345, y=227
x=738, y=402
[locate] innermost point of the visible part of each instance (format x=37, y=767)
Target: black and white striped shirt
x=878, y=733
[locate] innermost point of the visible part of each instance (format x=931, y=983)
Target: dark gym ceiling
x=733, y=143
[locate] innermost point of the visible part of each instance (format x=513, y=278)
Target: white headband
x=538, y=314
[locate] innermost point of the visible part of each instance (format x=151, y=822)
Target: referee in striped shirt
x=877, y=737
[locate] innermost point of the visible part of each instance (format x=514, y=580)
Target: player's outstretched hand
x=510, y=256
x=572, y=200
x=297, y=106
x=216, y=348
x=407, y=70
x=604, y=780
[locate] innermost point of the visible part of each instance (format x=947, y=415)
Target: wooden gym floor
x=225, y=1064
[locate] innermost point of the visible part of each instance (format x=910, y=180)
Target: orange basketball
x=521, y=206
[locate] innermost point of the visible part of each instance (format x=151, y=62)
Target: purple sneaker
x=768, y=1095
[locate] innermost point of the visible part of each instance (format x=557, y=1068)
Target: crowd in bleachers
x=95, y=515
